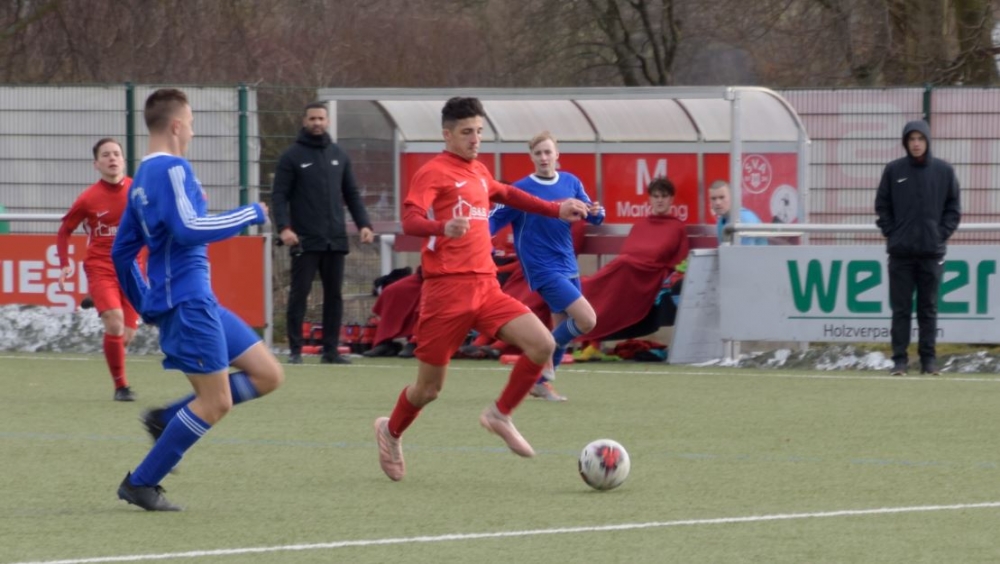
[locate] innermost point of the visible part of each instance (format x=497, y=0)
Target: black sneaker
x=408, y=350
x=386, y=348
x=930, y=368
x=295, y=358
x=899, y=369
x=87, y=303
x=152, y=420
x=334, y=359
x=149, y=498
x=124, y=394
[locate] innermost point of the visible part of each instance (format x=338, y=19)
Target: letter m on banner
x=643, y=176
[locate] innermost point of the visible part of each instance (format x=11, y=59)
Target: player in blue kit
x=545, y=248
x=167, y=212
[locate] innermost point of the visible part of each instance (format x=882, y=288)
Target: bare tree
x=498, y=42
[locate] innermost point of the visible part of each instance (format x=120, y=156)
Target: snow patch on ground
x=27, y=328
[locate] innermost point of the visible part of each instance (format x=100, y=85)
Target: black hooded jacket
x=917, y=202
x=312, y=184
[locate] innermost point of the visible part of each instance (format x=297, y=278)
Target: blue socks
x=563, y=334
x=183, y=429
x=181, y=433
x=240, y=387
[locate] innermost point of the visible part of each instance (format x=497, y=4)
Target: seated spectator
x=397, y=309
x=627, y=293
x=722, y=206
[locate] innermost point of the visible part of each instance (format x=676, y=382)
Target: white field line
x=493, y=367
x=527, y=533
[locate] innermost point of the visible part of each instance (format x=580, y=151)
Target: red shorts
x=452, y=305
x=108, y=295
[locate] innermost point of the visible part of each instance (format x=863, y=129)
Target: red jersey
x=449, y=186
x=99, y=208
x=503, y=243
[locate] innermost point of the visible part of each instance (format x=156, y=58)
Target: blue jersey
x=746, y=216
x=167, y=212
x=544, y=244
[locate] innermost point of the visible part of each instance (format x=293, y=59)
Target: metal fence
x=855, y=133
x=46, y=134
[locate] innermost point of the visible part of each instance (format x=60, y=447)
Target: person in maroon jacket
x=624, y=290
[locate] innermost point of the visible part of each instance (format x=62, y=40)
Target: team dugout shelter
x=614, y=139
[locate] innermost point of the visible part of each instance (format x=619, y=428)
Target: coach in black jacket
x=918, y=210
x=312, y=184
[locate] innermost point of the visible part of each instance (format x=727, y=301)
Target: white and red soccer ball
x=604, y=464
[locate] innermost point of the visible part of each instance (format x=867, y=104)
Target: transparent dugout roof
x=645, y=114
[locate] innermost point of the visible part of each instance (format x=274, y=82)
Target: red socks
x=522, y=378
x=402, y=415
x=114, y=353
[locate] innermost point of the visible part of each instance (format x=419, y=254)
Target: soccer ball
x=604, y=464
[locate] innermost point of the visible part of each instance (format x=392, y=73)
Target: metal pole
x=735, y=160
x=244, y=150
x=130, y=129
x=268, y=290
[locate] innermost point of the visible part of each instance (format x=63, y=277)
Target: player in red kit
x=100, y=208
x=448, y=203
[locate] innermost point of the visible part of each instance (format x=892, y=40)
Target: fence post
x=244, y=150
x=928, y=89
x=130, y=129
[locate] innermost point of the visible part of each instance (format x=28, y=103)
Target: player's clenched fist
x=456, y=226
x=572, y=209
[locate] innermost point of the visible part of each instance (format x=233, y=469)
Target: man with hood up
x=312, y=184
x=918, y=209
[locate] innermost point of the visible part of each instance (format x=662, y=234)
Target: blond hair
x=543, y=136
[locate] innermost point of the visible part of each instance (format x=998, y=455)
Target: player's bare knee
x=586, y=323
x=270, y=379
x=540, y=350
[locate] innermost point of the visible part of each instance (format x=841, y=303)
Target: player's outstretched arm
x=572, y=210
x=188, y=228
x=518, y=199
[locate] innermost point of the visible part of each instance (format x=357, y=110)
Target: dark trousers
x=330, y=266
x=905, y=276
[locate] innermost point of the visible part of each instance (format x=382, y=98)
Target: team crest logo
x=465, y=209
x=756, y=174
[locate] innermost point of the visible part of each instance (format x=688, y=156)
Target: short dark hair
x=661, y=184
x=315, y=106
x=103, y=141
x=161, y=106
x=459, y=108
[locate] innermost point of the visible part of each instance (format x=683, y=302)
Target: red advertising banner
x=627, y=175
x=770, y=184
x=769, y=180
x=29, y=274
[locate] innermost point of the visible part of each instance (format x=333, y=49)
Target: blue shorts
x=559, y=293
x=202, y=337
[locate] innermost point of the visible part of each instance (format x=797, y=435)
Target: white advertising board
x=696, y=330
x=841, y=294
